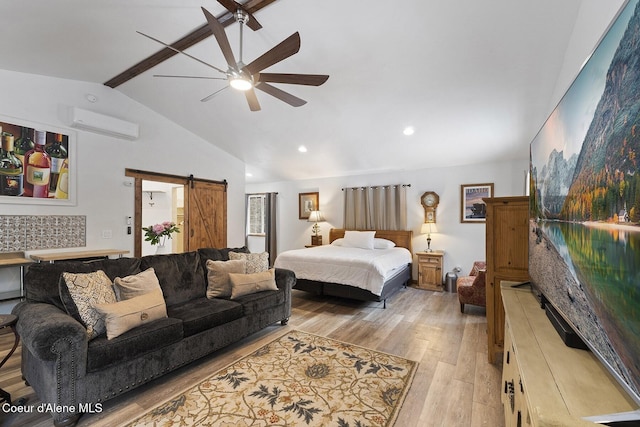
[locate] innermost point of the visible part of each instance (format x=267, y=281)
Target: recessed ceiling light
x=409, y=130
x=302, y=149
x=248, y=174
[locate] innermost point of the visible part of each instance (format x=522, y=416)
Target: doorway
x=204, y=209
x=162, y=202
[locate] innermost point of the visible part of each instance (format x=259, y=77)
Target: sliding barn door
x=206, y=215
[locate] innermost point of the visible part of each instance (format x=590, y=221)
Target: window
x=256, y=214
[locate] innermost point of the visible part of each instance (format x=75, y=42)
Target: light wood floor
x=454, y=385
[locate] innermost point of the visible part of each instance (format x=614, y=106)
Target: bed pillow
x=359, y=239
x=338, y=242
x=245, y=284
x=382, y=244
x=136, y=285
x=122, y=316
x=219, y=285
x=256, y=263
x=81, y=292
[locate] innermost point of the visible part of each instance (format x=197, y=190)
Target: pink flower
x=158, y=228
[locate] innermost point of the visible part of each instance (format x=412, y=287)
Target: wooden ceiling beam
x=199, y=34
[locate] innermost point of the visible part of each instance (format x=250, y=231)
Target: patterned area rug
x=297, y=380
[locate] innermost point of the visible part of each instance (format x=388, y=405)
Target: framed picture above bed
x=472, y=208
x=308, y=202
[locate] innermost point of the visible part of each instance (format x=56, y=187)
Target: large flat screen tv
x=584, y=234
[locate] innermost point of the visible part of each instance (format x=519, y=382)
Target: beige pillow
x=219, y=285
x=256, y=263
x=88, y=290
x=136, y=285
x=122, y=316
x=245, y=284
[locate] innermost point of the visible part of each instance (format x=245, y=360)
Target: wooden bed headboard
x=401, y=238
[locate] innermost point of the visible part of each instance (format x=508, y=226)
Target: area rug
x=299, y=379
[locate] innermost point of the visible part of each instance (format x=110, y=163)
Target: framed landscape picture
x=308, y=202
x=37, y=164
x=472, y=208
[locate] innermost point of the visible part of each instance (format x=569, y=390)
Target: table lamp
x=428, y=228
x=316, y=216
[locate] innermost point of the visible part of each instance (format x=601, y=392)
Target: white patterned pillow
x=256, y=263
x=87, y=290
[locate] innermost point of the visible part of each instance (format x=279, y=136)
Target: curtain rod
x=376, y=186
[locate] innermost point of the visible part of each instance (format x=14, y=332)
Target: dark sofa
x=70, y=372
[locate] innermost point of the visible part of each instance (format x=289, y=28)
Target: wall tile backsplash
x=32, y=232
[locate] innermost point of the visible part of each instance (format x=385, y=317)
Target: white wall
x=102, y=196
x=593, y=20
x=463, y=243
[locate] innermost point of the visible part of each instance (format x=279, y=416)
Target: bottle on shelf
x=23, y=144
x=10, y=168
x=58, y=154
x=62, y=187
x=37, y=169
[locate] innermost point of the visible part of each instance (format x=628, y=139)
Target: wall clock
x=430, y=202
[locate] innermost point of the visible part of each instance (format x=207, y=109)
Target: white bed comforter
x=365, y=268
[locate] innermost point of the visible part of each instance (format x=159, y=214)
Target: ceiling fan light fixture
x=240, y=83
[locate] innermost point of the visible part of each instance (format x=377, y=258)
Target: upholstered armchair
x=471, y=288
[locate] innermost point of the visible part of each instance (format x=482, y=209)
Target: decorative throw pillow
x=245, y=284
x=122, y=316
x=382, y=244
x=136, y=285
x=256, y=263
x=219, y=285
x=86, y=291
x=359, y=239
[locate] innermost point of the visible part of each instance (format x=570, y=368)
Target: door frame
x=139, y=176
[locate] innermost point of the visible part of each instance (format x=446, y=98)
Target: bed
x=360, y=274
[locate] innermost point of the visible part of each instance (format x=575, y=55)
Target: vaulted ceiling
x=473, y=78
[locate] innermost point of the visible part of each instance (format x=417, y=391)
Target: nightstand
x=430, y=266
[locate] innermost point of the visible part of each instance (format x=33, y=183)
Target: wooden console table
x=546, y=383
x=14, y=259
x=60, y=256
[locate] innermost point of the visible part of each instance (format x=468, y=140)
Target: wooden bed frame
x=402, y=279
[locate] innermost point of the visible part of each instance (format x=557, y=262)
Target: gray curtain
x=376, y=208
x=270, y=220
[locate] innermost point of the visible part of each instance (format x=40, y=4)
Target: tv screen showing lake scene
x=584, y=237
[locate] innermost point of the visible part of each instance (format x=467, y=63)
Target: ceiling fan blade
x=179, y=51
x=189, y=77
x=281, y=51
x=252, y=99
x=232, y=6
x=206, y=98
x=218, y=31
x=281, y=95
x=294, y=79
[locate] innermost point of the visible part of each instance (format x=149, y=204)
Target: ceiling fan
x=247, y=77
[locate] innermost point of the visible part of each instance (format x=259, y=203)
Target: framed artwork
x=472, y=208
x=38, y=164
x=308, y=202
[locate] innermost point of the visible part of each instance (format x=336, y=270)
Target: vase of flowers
x=159, y=233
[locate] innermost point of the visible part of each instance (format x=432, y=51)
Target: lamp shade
x=428, y=228
x=316, y=216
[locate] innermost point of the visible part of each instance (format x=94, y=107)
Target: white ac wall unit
x=100, y=123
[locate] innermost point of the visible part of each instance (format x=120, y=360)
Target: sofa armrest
x=285, y=279
x=48, y=332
